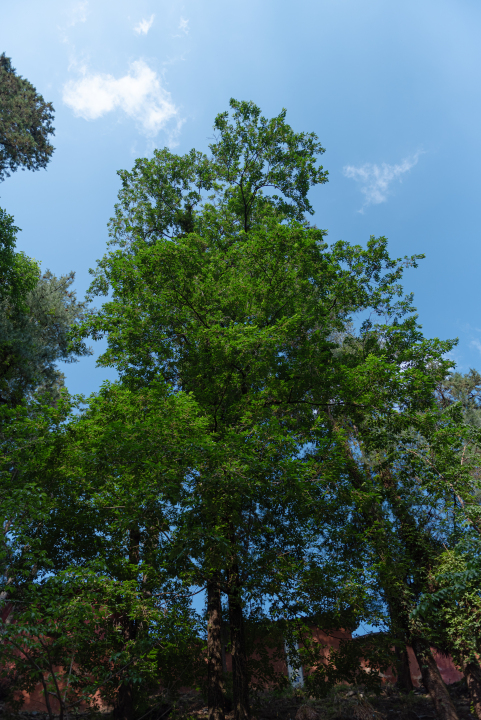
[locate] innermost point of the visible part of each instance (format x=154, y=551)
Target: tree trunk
x=404, y=680
x=124, y=703
x=433, y=681
x=472, y=673
x=134, y=545
x=47, y=696
x=6, y=608
x=422, y=548
x=124, y=708
x=215, y=678
x=400, y=632
x=240, y=680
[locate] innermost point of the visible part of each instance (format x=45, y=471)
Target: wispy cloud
x=139, y=94
x=375, y=180
x=174, y=133
x=78, y=13
x=144, y=26
x=183, y=28
x=476, y=344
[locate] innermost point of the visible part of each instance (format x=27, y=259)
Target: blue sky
x=391, y=88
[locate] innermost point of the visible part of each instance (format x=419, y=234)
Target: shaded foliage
x=25, y=123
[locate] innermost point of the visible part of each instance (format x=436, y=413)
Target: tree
x=35, y=338
x=69, y=636
x=94, y=496
x=415, y=487
x=25, y=123
x=252, y=435
x=18, y=273
x=236, y=300
x=162, y=197
x=448, y=608
x=450, y=613
x=36, y=311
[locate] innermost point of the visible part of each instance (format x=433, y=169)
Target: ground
x=343, y=703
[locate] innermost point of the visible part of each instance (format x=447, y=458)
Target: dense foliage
x=282, y=436
x=25, y=123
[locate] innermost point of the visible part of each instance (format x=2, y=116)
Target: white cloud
x=139, y=94
x=144, y=26
x=376, y=179
x=78, y=13
x=476, y=344
x=174, y=132
x=74, y=14
x=184, y=25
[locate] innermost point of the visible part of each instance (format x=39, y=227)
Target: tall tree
x=449, y=609
x=25, y=123
x=414, y=480
x=35, y=338
x=91, y=500
x=36, y=311
x=234, y=298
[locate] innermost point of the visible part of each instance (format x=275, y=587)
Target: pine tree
x=25, y=123
x=36, y=312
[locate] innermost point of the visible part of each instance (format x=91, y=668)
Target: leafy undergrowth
x=343, y=703
x=352, y=702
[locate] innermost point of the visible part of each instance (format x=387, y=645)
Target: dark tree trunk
x=124, y=704
x=472, y=673
x=134, y=546
x=404, y=680
x=47, y=697
x=433, y=681
x=215, y=677
x=400, y=632
x=124, y=708
x=240, y=680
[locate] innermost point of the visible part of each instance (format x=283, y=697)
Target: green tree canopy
x=233, y=298
x=255, y=445
x=25, y=123
x=18, y=273
x=36, y=311
x=165, y=196
x=34, y=337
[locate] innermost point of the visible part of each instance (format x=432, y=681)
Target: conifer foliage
x=25, y=123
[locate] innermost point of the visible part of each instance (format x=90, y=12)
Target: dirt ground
x=344, y=703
